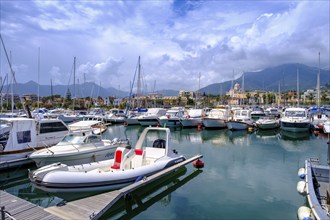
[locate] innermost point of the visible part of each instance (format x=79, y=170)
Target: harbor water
x=247, y=175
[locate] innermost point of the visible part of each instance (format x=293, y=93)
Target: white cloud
x=176, y=40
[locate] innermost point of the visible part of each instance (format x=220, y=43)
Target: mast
x=199, y=87
x=138, y=93
x=298, y=86
x=51, y=90
x=74, y=81
x=279, y=94
x=12, y=90
x=243, y=79
x=38, y=78
x=318, y=84
x=132, y=85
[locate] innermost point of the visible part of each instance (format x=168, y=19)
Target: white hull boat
x=193, y=118
x=132, y=121
x=77, y=149
x=217, y=118
x=150, y=118
x=214, y=123
x=26, y=135
x=267, y=123
x=127, y=166
x=191, y=122
x=295, y=120
x=241, y=120
x=238, y=125
x=171, y=118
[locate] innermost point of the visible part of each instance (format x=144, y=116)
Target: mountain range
x=267, y=79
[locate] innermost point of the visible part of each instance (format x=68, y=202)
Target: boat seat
x=159, y=143
x=118, y=159
x=137, y=160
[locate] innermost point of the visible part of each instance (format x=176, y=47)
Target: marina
x=251, y=171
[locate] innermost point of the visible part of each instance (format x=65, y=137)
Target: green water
x=247, y=175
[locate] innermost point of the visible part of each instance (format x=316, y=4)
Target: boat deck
x=13, y=207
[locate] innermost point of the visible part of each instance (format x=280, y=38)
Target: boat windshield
x=74, y=139
x=295, y=114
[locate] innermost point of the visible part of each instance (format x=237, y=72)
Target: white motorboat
x=273, y=112
x=295, y=120
x=77, y=148
x=21, y=136
x=133, y=115
x=257, y=113
x=267, y=123
x=151, y=116
x=172, y=117
x=241, y=120
x=193, y=118
x=318, y=119
x=115, y=116
x=151, y=154
x=216, y=118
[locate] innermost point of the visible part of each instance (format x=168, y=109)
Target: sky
x=182, y=44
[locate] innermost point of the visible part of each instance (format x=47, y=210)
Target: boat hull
x=295, y=126
x=214, y=123
x=169, y=122
x=191, y=122
x=267, y=124
x=236, y=125
x=317, y=181
x=93, y=177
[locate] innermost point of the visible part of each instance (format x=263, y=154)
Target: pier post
x=3, y=214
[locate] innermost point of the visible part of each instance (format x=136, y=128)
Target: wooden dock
x=13, y=207
x=95, y=206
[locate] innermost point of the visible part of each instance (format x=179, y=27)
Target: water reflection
x=287, y=135
x=216, y=137
x=265, y=134
x=158, y=191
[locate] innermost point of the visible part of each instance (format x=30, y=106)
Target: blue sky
x=176, y=40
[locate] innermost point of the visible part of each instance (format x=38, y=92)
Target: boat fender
x=139, y=178
x=198, y=164
x=199, y=127
x=125, y=123
x=301, y=187
x=305, y=213
x=301, y=173
x=188, y=116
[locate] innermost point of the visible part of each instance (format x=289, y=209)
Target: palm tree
x=248, y=96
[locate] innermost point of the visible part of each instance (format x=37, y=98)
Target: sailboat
x=317, y=115
x=131, y=114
